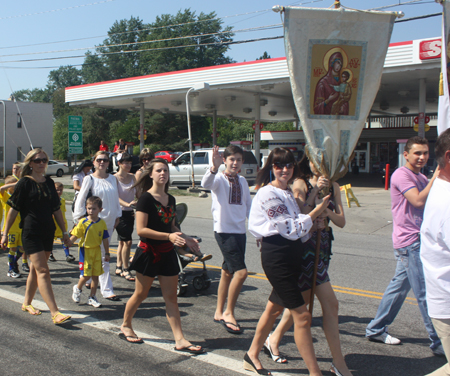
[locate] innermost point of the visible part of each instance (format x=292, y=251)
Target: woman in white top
x=128, y=198
x=103, y=185
x=279, y=226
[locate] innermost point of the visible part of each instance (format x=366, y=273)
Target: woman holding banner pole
x=306, y=188
x=279, y=226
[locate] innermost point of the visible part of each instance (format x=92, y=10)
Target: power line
x=258, y=28
x=148, y=49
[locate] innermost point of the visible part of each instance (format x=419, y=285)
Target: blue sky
x=26, y=23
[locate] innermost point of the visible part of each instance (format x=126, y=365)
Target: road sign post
x=75, y=135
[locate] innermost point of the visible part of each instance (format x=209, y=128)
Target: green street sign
x=75, y=135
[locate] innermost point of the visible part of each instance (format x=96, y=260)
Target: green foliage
x=264, y=56
x=237, y=130
x=132, y=38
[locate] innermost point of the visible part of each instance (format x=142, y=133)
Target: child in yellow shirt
x=15, y=234
x=58, y=233
x=92, y=232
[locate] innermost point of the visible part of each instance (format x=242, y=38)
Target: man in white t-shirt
x=435, y=249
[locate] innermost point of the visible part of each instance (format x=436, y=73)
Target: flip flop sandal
x=230, y=330
x=65, y=318
x=31, y=310
x=190, y=350
x=129, y=339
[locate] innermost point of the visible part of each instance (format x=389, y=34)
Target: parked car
x=57, y=168
x=169, y=156
x=181, y=174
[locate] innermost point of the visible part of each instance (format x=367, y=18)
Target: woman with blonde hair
x=37, y=201
x=155, y=255
x=103, y=185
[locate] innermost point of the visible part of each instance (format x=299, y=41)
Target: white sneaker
x=13, y=274
x=92, y=300
x=76, y=294
x=386, y=338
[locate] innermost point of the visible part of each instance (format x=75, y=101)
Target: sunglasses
x=280, y=166
x=40, y=160
x=146, y=159
x=100, y=160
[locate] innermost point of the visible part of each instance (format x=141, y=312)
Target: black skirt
x=167, y=266
x=282, y=261
x=126, y=225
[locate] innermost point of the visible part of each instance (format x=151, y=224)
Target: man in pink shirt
x=409, y=191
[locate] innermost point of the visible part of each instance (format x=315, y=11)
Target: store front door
x=359, y=163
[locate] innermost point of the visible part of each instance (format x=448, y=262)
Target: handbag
x=88, y=195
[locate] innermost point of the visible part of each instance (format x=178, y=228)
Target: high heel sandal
x=334, y=370
x=127, y=275
x=65, y=318
x=31, y=310
x=268, y=350
x=249, y=366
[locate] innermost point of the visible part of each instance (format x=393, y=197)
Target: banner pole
x=316, y=267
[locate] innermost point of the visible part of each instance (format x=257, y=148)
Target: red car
x=167, y=155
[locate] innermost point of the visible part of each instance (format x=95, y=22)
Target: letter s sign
x=430, y=49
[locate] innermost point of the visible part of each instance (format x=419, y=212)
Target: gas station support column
x=214, y=128
x=141, y=122
x=422, y=98
x=257, y=127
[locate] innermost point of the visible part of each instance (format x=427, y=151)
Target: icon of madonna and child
x=333, y=92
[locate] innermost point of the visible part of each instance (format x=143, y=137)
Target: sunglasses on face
x=280, y=166
x=40, y=160
x=146, y=159
x=99, y=160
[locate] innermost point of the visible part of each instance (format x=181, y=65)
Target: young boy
x=231, y=203
x=92, y=231
x=58, y=233
x=15, y=234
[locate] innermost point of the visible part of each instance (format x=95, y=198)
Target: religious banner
x=335, y=59
x=444, y=99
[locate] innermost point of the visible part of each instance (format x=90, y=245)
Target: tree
x=264, y=56
x=135, y=48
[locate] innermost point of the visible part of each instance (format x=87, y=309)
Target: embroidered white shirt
x=275, y=212
x=229, y=211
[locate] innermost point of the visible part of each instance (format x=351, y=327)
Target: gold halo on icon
x=327, y=56
x=350, y=77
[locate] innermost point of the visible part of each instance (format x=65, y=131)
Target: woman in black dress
x=36, y=200
x=155, y=255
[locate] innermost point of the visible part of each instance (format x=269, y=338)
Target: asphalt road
x=361, y=268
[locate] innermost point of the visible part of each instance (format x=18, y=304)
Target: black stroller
x=199, y=278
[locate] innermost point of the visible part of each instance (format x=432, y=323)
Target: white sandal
x=276, y=358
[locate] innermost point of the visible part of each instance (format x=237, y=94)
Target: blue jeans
x=409, y=273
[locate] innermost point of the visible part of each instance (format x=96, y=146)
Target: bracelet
x=168, y=236
x=65, y=233
x=212, y=172
x=107, y=254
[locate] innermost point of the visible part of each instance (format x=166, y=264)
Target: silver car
x=181, y=174
x=56, y=168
